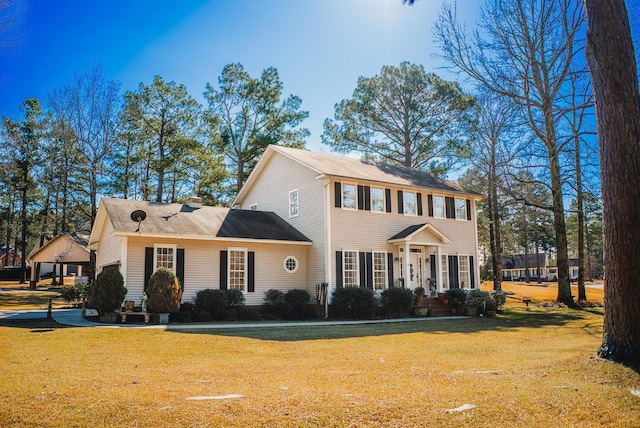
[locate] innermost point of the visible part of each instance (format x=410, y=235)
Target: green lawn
x=528, y=367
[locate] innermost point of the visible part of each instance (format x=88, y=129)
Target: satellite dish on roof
x=138, y=216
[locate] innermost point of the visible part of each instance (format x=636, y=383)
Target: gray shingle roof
x=342, y=166
x=178, y=219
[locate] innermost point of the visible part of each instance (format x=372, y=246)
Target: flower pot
x=441, y=297
x=421, y=311
x=454, y=311
x=445, y=301
x=163, y=318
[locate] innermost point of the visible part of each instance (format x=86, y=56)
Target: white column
x=405, y=261
x=439, y=282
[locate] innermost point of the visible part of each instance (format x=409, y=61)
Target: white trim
x=210, y=238
x=444, y=205
x=464, y=208
x=297, y=264
x=355, y=196
x=297, y=203
x=344, y=266
x=124, y=258
x=384, y=200
x=174, y=247
x=246, y=262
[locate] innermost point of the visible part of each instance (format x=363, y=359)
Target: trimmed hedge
x=353, y=303
x=217, y=304
x=397, y=301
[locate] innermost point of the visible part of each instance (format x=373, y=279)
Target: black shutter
x=251, y=275
x=400, y=203
x=360, y=197
x=339, y=273
x=362, y=261
x=430, y=205
x=390, y=268
x=434, y=266
x=223, y=270
x=367, y=198
x=180, y=267
x=387, y=198
x=338, y=194
x=472, y=272
x=468, y=209
x=148, y=265
x=453, y=272
x=419, y=202
x=370, y=270
x=450, y=206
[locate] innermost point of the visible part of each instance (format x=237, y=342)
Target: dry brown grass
x=528, y=367
x=546, y=292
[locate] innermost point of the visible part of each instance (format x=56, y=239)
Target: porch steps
x=437, y=308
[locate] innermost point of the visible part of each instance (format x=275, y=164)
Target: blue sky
x=319, y=47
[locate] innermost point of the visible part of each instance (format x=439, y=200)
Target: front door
x=416, y=270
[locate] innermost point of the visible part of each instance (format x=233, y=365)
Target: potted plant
x=419, y=294
x=456, y=298
x=163, y=294
x=107, y=293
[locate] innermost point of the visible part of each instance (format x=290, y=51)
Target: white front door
x=416, y=270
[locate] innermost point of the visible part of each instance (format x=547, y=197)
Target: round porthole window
x=291, y=264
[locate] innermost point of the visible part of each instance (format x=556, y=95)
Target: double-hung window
x=349, y=196
x=350, y=267
x=377, y=199
x=409, y=203
x=461, y=212
x=237, y=268
x=445, y=271
x=293, y=203
x=164, y=256
x=379, y=271
x=463, y=271
x=438, y=206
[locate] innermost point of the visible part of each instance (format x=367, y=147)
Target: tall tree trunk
x=23, y=227
x=611, y=58
x=494, y=226
x=526, y=246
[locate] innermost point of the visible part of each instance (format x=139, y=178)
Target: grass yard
x=528, y=367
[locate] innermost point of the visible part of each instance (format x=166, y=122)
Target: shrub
x=185, y=314
x=486, y=274
x=108, y=291
x=249, y=313
x=163, y=292
x=74, y=294
x=397, y=301
x=219, y=303
x=354, y=303
x=298, y=299
x=500, y=297
x=456, y=296
x=272, y=296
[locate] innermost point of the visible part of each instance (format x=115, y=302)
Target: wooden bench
x=125, y=313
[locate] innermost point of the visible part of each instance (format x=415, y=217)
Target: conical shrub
x=163, y=292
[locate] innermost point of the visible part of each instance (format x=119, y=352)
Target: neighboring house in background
x=515, y=266
x=207, y=247
x=301, y=219
x=68, y=251
x=364, y=217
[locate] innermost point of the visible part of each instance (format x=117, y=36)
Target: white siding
x=271, y=192
x=109, y=249
x=202, y=267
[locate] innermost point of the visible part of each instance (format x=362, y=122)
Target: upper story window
x=293, y=203
x=377, y=200
x=349, y=196
x=438, y=206
x=164, y=256
x=461, y=213
x=409, y=203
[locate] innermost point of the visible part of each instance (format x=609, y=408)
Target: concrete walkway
x=73, y=317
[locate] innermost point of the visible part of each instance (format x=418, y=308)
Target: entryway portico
x=423, y=265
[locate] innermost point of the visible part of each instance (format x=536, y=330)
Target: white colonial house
x=301, y=219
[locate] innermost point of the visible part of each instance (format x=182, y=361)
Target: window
x=291, y=264
x=445, y=271
x=379, y=271
x=293, y=203
x=349, y=196
x=463, y=271
x=461, y=213
x=409, y=203
x=237, y=268
x=253, y=207
x=438, y=206
x=164, y=256
x=350, y=267
x=377, y=200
